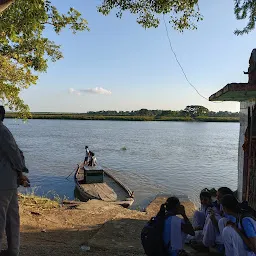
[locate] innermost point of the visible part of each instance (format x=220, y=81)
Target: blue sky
x=137, y=65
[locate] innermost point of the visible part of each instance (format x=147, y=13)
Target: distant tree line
x=192, y=111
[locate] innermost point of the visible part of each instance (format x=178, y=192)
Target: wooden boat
x=95, y=182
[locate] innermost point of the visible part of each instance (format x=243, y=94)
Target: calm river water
x=177, y=158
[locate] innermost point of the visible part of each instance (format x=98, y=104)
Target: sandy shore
x=93, y=228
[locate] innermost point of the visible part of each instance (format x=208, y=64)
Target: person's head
x=172, y=204
x=205, y=198
x=2, y=113
x=230, y=204
x=222, y=192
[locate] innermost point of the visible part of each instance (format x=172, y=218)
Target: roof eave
x=235, y=92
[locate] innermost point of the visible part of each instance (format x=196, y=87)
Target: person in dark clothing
x=12, y=166
x=86, y=155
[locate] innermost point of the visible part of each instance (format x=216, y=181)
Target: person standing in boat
x=92, y=159
x=86, y=155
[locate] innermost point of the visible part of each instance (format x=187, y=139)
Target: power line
x=177, y=60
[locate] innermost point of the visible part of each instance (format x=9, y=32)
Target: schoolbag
x=152, y=236
x=246, y=211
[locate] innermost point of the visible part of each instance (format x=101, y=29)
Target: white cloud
x=73, y=91
x=97, y=90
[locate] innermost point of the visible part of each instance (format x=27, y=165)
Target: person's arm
x=213, y=219
x=253, y=243
x=186, y=227
x=9, y=147
x=250, y=232
x=249, y=242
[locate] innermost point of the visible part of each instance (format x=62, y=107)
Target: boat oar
x=72, y=171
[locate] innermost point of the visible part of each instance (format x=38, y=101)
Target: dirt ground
x=93, y=228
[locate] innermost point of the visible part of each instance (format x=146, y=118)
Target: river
x=178, y=158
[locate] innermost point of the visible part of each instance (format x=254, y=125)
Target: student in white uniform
x=238, y=229
x=175, y=228
x=200, y=215
x=210, y=235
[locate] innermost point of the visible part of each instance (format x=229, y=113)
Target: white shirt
x=94, y=161
x=86, y=152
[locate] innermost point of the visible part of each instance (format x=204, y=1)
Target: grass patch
x=217, y=119
x=38, y=202
x=85, y=116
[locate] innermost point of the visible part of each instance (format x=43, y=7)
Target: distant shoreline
x=77, y=116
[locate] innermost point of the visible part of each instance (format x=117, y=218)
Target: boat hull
x=124, y=195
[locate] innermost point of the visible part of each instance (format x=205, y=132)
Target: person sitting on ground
x=211, y=235
x=86, y=155
x=175, y=228
x=237, y=228
x=200, y=216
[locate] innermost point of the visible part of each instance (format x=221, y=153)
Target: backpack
x=246, y=211
x=152, y=236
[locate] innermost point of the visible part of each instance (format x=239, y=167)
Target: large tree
x=182, y=14
x=24, y=50
x=196, y=110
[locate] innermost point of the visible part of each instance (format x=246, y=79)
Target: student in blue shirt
x=175, y=228
x=239, y=229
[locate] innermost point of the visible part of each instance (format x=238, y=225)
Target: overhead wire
x=182, y=69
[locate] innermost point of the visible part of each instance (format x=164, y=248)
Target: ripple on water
x=161, y=157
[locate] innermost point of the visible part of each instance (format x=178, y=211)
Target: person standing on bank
x=12, y=166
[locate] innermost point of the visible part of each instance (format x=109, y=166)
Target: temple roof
x=235, y=92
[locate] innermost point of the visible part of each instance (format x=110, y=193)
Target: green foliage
x=195, y=110
x=152, y=115
x=216, y=119
x=245, y=9
x=5, y=4
x=24, y=50
x=182, y=13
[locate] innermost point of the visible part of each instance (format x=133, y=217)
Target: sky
x=118, y=65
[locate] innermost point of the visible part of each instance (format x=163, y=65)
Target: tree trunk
x=4, y=4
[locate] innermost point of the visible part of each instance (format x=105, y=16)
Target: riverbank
x=96, y=227
x=78, y=116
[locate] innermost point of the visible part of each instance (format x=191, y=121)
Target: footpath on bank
x=94, y=228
